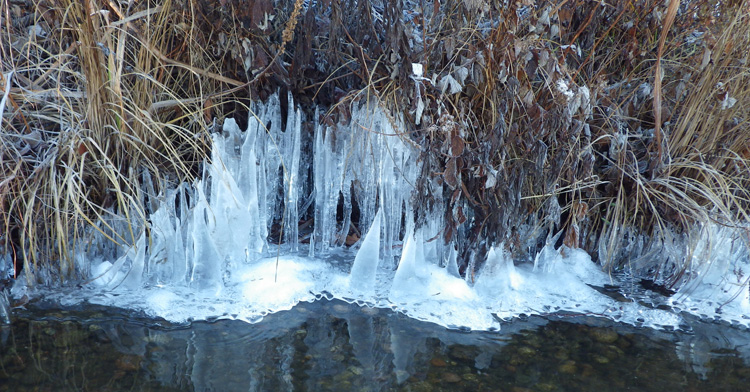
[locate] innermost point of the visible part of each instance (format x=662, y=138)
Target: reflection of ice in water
x=326, y=345
x=404, y=349
x=707, y=338
x=227, y=356
x=363, y=336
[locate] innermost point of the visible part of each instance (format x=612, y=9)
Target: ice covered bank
x=210, y=249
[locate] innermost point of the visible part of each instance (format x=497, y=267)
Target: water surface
x=332, y=345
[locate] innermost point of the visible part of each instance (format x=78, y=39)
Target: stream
x=333, y=345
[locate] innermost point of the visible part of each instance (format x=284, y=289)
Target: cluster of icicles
x=206, y=255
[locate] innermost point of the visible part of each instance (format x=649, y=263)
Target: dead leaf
x=571, y=236
x=207, y=109
x=351, y=239
x=450, y=174
x=457, y=145
x=448, y=232
x=581, y=208
x=460, y=217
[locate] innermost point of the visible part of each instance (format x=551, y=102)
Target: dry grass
x=703, y=175
x=97, y=107
x=537, y=120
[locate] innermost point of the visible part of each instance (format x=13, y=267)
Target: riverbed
x=333, y=345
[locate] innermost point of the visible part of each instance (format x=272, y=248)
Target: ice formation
x=206, y=254
x=716, y=283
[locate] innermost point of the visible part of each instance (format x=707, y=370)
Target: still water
x=332, y=345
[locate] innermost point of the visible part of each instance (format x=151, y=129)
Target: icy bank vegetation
x=211, y=248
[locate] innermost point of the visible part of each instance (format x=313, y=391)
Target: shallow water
x=332, y=345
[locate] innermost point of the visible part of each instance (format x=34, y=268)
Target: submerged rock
x=526, y=351
x=437, y=362
x=451, y=378
x=604, y=335
x=569, y=367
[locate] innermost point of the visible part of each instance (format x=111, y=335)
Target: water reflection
x=337, y=346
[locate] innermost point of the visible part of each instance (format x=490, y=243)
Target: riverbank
x=532, y=125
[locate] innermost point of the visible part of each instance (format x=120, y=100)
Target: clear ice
x=206, y=255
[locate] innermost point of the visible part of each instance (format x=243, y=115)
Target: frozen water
x=6, y=267
x=365, y=266
x=716, y=283
x=206, y=255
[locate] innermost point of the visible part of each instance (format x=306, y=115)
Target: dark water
x=333, y=346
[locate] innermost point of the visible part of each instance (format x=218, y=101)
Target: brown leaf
x=261, y=59
x=457, y=145
x=450, y=174
x=565, y=14
x=207, y=110
x=351, y=239
x=581, y=208
x=459, y=164
x=534, y=112
x=448, y=232
x=571, y=236
x=460, y=217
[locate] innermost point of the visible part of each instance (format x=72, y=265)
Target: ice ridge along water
x=206, y=255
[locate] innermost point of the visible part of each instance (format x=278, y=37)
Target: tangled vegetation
x=614, y=124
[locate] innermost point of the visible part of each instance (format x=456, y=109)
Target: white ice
x=206, y=254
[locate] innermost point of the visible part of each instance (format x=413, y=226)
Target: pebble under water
x=333, y=345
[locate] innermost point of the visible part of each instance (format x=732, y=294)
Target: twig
x=8, y=78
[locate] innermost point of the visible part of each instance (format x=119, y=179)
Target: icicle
x=248, y=184
x=271, y=147
x=452, y=264
x=325, y=169
x=206, y=268
x=185, y=256
x=319, y=186
x=346, y=192
x=470, y=268
x=133, y=278
x=333, y=168
x=412, y=275
x=167, y=250
x=367, y=145
x=498, y=275
x=362, y=276
x=231, y=223
x=292, y=184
